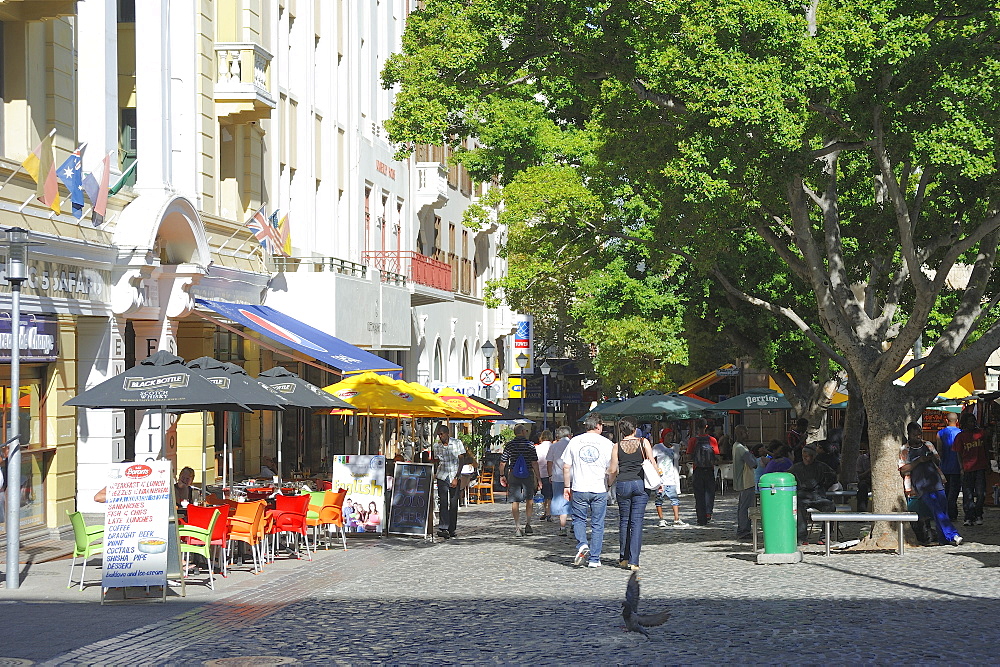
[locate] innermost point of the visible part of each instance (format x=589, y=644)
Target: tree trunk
x=850, y=446
x=888, y=414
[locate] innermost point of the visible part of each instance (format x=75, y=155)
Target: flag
x=285, y=237
x=40, y=167
x=98, y=192
x=71, y=174
x=123, y=179
x=265, y=232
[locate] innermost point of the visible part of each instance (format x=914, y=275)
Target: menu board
x=934, y=420
x=364, y=479
x=137, y=525
x=411, y=499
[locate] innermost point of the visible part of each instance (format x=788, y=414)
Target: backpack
x=520, y=469
x=704, y=455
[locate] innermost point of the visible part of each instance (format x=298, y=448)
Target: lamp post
x=522, y=363
x=555, y=386
x=488, y=349
x=17, y=273
x=545, y=369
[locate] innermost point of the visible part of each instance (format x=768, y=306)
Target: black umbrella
x=300, y=394
x=236, y=381
x=159, y=381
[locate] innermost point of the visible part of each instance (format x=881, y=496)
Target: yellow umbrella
x=465, y=405
x=380, y=395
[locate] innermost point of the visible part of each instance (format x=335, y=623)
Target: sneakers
x=581, y=555
x=593, y=564
x=562, y=531
x=544, y=517
x=528, y=530
x=662, y=524
x=957, y=541
x=634, y=568
x=623, y=563
x=518, y=532
x=680, y=524
x=967, y=522
x=979, y=521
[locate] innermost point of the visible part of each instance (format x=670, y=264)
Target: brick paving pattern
x=490, y=597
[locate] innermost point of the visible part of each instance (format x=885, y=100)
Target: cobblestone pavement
x=490, y=597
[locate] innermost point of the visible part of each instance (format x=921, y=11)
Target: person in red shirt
x=703, y=451
x=970, y=445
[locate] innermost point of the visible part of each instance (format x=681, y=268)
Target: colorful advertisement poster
x=522, y=343
x=364, y=479
x=136, y=525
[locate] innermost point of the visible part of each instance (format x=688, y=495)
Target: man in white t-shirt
x=542, y=451
x=585, y=470
x=667, y=455
x=560, y=506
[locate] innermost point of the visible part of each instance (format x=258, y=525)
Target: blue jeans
x=597, y=503
x=974, y=494
x=937, y=503
x=632, y=499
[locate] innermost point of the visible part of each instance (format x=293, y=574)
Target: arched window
x=438, y=363
x=465, y=359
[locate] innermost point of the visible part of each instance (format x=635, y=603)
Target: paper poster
x=136, y=525
x=364, y=479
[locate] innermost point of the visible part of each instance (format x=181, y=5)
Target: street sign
x=488, y=376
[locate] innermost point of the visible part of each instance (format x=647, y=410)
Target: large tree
x=856, y=139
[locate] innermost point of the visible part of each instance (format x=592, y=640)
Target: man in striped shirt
x=521, y=482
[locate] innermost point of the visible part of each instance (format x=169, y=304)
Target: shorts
x=559, y=504
x=520, y=489
x=670, y=492
x=546, y=488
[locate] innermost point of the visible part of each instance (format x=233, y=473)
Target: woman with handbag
x=627, y=475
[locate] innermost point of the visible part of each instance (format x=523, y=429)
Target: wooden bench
x=864, y=517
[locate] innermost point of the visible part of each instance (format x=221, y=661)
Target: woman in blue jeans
x=630, y=489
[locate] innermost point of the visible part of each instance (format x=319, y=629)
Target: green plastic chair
x=84, y=538
x=203, y=535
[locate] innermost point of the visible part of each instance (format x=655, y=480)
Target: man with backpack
x=519, y=473
x=703, y=451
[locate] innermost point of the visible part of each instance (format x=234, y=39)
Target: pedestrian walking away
x=519, y=473
x=703, y=452
x=667, y=455
x=951, y=466
x=586, y=462
x=542, y=451
x=744, y=482
x=626, y=475
x=560, y=506
x=970, y=445
x=923, y=479
x=447, y=453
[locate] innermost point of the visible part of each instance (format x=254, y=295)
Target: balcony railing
x=421, y=269
x=243, y=80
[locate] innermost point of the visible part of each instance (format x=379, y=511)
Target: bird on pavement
x=634, y=621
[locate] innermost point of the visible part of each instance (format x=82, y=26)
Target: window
x=465, y=360
x=126, y=11
x=228, y=345
x=438, y=375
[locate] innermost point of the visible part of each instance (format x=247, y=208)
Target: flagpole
x=241, y=227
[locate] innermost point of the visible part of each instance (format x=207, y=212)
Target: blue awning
x=341, y=355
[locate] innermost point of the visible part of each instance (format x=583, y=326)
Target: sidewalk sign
x=140, y=530
x=410, y=511
x=364, y=478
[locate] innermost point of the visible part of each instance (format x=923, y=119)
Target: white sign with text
x=136, y=525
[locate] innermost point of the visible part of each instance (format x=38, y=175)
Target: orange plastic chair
x=333, y=514
x=483, y=488
x=247, y=525
x=290, y=518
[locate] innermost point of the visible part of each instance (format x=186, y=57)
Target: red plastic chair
x=290, y=518
x=201, y=515
x=325, y=486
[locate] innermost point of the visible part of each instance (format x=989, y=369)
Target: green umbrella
x=755, y=399
x=653, y=406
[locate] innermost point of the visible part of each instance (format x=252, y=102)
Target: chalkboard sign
x=934, y=420
x=410, y=512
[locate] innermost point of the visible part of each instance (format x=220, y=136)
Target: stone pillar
x=151, y=336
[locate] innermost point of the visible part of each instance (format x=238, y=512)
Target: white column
x=183, y=99
x=151, y=336
x=100, y=433
x=152, y=90
x=97, y=82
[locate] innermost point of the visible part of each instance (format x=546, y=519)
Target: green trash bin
x=779, y=513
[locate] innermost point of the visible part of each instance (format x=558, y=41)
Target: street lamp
x=488, y=350
x=545, y=369
x=522, y=363
x=17, y=273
